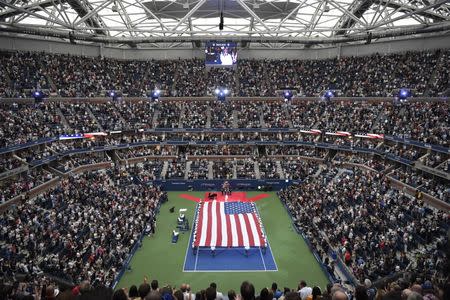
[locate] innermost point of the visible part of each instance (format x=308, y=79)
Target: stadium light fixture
x=155, y=94
x=288, y=95
x=38, y=96
x=222, y=93
x=328, y=95
x=404, y=94
x=113, y=95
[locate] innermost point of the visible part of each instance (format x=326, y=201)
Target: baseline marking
x=262, y=258
x=267, y=239
x=190, y=239
x=196, y=260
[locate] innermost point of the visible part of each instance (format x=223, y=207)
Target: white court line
x=196, y=260
x=229, y=271
x=262, y=258
x=237, y=271
x=190, y=237
x=268, y=244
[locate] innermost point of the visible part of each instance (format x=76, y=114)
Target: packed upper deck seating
x=80, y=76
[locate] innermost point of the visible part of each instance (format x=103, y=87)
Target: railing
x=433, y=201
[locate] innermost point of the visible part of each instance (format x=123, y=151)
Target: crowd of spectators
x=79, y=117
x=83, y=229
x=147, y=151
x=221, y=115
x=268, y=168
x=176, y=169
x=190, y=78
x=36, y=153
x=373, y=228
x=78, y=76
x=8, y=162
x=108, y=116
x=148, y=170
x=248, y=114
x=136, y=114
x=169, y=114
x=195, y=115
x=434, y=159
x=253, y=80
x=346, y=116
x=24, y=123
x=26, y=72
x=221, y=78
x=199, y=169
x=440, y=83
x=367, y=160
x=245, y=168
x=12, y=187
x=68, y=163
x=21, y=124
x=223, y=169
x=439, y=188
x=430, y=124
x=275, y=115
x=409, y=287
x=298, y=169
x=22, y=183
x=220, y=150
x=296, y=151
x=445, y=166
x=403, y=151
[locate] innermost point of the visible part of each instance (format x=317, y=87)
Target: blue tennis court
x=228, y=259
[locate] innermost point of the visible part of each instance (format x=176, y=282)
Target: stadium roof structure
x=186, y=23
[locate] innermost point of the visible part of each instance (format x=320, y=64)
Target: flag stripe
x=214, y=223
x=199, y=226
x=228, y=224
x=240, y=236
x=223, y=225
x=229, y=232
x=251, y=239
x=204, y=225
x=208, y=224
x=253, y=229
x=234, y=241
x=258, y=228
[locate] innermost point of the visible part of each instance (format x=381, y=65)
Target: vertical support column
x=101, y=46
x=338, y=51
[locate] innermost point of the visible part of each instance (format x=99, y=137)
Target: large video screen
x=221, y=53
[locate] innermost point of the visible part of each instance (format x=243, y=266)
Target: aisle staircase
x=280, y=169
x=187, y=170
x=256, y=168
x=63, y=118
x=261, y=117
x=432, y=77
x=181, y=116
x=234, y=117
x=164, y=170
x=208, y=117
x=89, y=111
x=287, y=115
x=155, y=118
x=210, y=170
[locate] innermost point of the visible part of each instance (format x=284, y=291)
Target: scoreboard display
x=221, y=53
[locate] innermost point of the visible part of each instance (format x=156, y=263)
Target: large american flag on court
x=228, y=224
